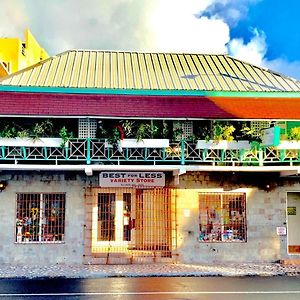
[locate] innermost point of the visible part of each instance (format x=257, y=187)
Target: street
x=153, y=288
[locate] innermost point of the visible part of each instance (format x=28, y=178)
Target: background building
x=16, y=54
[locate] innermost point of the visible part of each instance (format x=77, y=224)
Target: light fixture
x=3, y=185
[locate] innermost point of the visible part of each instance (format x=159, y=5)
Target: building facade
x=16, y=54
x=124, y=157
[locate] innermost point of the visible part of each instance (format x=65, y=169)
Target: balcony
x=97, y=151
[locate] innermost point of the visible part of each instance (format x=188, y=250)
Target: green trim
x=142, y=92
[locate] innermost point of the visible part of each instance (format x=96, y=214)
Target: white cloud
x=254, y=51
x=176, y=28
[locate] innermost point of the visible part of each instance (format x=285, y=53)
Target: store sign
x=270, y=137
x=281, y=230
x=132, y=179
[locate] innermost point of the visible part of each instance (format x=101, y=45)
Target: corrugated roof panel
x=131, y=70
x=230, y=70
x=82, y=76
x=286, y=82
x=245, y=75
x=60, y=70
x=106, y=70
x=253, y=77
x=197, y=77
x=151, y=73
x=121, y=70
x=269, y=82
x=143, y=71
x=220, y=77
x=189, y=77
x=52, y=72
x=212, y=77
x=136, y=71
x=158, y=71
x=173, y=73
x=182, y=76
x=43, y=74
x=114, y=71
x=99, y=70
x=76, y=69
x=202, y=72
x=223, y=72
x=128, y=69
x=90, y=79
x=35, y=75
x=66, y=79
x=274, y=81
x=166, y=71
x=26, y=76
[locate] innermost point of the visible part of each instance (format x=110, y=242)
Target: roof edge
x=144, y=92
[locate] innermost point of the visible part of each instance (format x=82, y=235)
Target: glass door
x=115, y=219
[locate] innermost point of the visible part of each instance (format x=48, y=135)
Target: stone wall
x=266, y=210
x=70, y=251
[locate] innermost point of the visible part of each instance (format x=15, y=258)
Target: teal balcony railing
x=96, y=151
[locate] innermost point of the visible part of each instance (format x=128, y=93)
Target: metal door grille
x=131, y=223
x=222, y=217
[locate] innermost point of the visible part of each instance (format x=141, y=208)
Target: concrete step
x=291, y=261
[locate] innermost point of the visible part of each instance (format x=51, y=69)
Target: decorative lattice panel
x=87, y=128
x=186, y=127
x=257, y=126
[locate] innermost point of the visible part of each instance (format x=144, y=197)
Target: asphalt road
x=181, y=288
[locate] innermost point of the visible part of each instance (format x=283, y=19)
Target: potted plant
x=222, y=138
x=131, y=135
x=39, y=135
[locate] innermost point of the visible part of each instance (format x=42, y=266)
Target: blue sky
x=280, y=21
x=262, y=32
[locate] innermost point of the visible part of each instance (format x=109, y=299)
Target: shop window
x=222, y=217
x=40, y=217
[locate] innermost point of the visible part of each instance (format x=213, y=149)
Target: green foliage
x=43, y=129
x=294, y=134
x=221, y=132
x=65, y=135
x=165, y=129
x=114, y=136
x=143, y=131
x=249, y=134
x=38, y=130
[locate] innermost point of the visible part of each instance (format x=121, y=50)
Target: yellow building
x=16, y=54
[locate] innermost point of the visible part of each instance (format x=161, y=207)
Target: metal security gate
x=130, y=225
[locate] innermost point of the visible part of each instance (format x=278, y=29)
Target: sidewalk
x=145, y=270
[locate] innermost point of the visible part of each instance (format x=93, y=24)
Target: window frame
x=234, y=230
x=53, y=210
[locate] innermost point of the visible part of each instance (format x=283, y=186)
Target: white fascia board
x=89, y=169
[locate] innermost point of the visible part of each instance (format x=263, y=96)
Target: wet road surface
x=180, y=288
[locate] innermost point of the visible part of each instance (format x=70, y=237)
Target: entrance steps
x=126, y=258
x=291, y=261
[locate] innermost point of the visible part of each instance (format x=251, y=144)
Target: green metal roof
x=89, y=69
